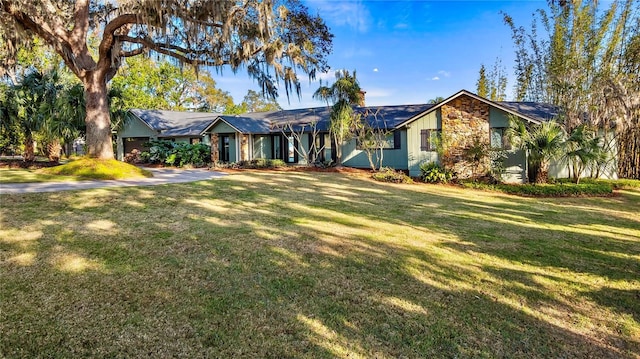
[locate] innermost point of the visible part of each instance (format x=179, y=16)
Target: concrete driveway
x=160, y=176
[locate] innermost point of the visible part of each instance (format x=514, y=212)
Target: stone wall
x=244, y=148
x=465, y=120
x=215, y=148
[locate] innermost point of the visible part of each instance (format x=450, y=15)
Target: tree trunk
x=98, y=120
x=29, y=148
x=54, y=148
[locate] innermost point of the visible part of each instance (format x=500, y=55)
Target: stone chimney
x=361, y=102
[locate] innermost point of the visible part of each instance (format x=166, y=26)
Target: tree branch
x=173, y=51
x=131, y=53
x=106, y=66
x=81, y=26
x=58, y=39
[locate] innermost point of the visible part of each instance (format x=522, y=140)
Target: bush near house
x=177, y=153
x=561, y=189
x=259, y=163
x=622, y=183
x=387, y=174
x=431, y=172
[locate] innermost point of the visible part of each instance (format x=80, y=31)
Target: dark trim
x=225, y=155
x=472, y=95
x=397, y=139
x=274, y=155
x=425, y=139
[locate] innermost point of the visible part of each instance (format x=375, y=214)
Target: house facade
x=412, y=133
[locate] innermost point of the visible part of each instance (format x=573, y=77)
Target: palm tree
x=582, y=151
x=344, y=93
x=542, y=142
x=29, y=96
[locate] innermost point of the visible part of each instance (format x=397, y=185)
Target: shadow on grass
x=313, y=265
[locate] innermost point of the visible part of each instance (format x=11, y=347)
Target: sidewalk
x=160, y=176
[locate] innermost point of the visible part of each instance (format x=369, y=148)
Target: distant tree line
x=584, y=57
x=42, y=103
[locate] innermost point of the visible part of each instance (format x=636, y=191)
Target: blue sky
x=408, y=52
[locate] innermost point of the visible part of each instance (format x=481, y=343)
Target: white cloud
x=375, y=69
x=353, y=13
x=326, y=76
x=444, y=73
x=435, y=78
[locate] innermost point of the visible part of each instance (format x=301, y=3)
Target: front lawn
x=25, y=175
x=295, y=264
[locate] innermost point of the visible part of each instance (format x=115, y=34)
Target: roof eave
x=142, y=120
x=219, y=118
x=472, y=95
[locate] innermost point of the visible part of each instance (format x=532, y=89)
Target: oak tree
x=272, y=41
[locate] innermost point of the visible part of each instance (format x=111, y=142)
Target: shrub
x=253, y=164
x=390, y=175
x=177, y=153
x=135, y=156
x=566, y=189
x=432, y=172
x=622, y=183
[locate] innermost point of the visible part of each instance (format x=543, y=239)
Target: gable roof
x=175, y=123
x=245, y=123
x=529, y=111
x=269, y=122
x=534, y=110
x=182, y=124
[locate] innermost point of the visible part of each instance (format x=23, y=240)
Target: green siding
x=134, y=127
x=498, y=118
x=515, y=163
x=222, y=127
x=261, y=146
x=206, y=140
x=515, y=167
x=394, y=158
x=430, y=121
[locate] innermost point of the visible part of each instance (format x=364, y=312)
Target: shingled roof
x=267, y=122
x=535, y=110
x=182, y=124
x=176, y=123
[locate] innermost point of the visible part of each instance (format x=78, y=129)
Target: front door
x=224, y=148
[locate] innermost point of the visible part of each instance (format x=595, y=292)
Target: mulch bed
x=19, y=163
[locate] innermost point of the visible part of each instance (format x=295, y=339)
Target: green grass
x=95, y=169
x=288, y=264
x=21, y=175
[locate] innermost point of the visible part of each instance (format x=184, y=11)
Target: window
x=498, y=138
x=224, y=148
x=328, y=148
x=195, y=141
x=292, y=156
x=429, y=139
x=276, y=142
x=390, y=142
